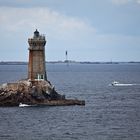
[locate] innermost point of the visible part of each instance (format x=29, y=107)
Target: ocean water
x=110, y=113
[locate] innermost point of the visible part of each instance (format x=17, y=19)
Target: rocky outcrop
x=33, y=93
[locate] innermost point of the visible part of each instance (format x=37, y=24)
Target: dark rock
x=38, y=92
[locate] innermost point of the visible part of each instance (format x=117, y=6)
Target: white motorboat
x=23, y=105
x=115, y=83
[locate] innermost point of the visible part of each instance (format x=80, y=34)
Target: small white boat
x=115, y=83
x=23, y=105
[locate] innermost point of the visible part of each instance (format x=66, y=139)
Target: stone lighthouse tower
x=36, y=66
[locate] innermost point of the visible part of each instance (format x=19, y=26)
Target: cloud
x=58, y=25
x=62, y=31
x=122, y=2
x=138, y=1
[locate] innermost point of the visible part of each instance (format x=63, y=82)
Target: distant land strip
x=61, y=62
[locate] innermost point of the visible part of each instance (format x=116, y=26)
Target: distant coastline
x=70, y=62
x=13, y=63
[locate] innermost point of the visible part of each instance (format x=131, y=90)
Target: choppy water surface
x=111, y=113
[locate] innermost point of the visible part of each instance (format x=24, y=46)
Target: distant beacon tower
x=36, y=66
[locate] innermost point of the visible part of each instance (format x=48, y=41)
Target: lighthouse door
x=40, y=77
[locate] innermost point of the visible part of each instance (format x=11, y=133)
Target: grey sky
x=91, y=30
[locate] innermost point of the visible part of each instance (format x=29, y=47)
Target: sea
x=110, y=112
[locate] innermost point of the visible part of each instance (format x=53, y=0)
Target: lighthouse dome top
x=38, y=36
x=36, y=33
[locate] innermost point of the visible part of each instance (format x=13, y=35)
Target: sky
x=90, y=30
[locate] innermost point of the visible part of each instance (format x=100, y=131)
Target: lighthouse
x=36, y=65
x=36, y=90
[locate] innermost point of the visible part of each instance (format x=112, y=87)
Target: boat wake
x=116, y=83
